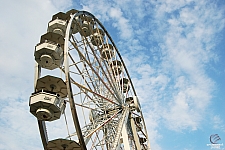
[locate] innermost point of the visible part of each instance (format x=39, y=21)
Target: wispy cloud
x=167, y=55
x=187, y=49
x=23, y=24
x=218, y=123
x=18, y=128
x=167, y=47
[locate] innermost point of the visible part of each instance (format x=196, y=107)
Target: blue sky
x=174, y=52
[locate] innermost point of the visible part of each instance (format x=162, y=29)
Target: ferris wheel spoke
x=89, y=90
x=86, y=88
x=99, y=124
x=108, y=76
x=105, y=71
x=82, y=75
x=87, y=107
x=88, y=63
x=95, y=141
x=92, y=101
x=109, y=79
x=102, y=83
x=104, y=108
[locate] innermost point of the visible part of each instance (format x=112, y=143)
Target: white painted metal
x=69, y=87
x=124, y=83
x=97, y=37
x=125, y=137
x=107, y=51
x=120, y=126
x=116, y=66
x=37, y=73
x=46, y=106
x=57, y=26
x=52, y=84
x=97, y=84
x=135, y=134
x=86, y=24
x=136, y=104
x=63, y=144
x=49, y=53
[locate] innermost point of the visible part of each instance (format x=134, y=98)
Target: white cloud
x=121, y=23
x=218, y=123
x=61, y=4
x=167, y=46
x=18, y=127
x=106, y=11
x=152, y=123
x=185, y=56
x=186, y=32
x=100, y=9
x=145, y=70
x=23, y=22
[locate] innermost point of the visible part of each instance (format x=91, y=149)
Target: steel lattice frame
x=101, y=116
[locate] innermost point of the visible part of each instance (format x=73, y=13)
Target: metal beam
x=41, y=124
x=69, y=88
x=125, y=137
x=123, y=119
x=134, y=130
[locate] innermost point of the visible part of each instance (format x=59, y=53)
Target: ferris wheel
x=94, y=86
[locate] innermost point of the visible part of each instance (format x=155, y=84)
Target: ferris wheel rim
x=88, y=13
x=69, y=88
x=41, y=124
x=108, y=35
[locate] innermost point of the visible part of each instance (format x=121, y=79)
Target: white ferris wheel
x=94, y=87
